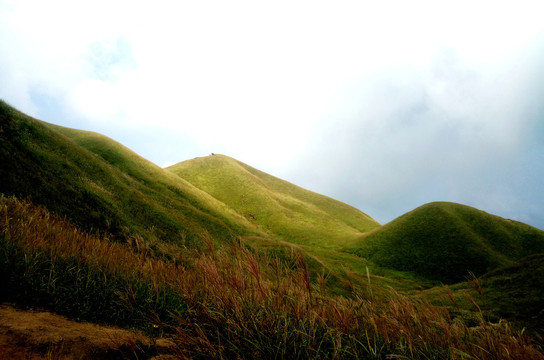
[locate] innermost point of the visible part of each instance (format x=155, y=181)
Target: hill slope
x=230, y=301
x=103, y=186
x=296, y=214
x=444, y=241
x=515, y=292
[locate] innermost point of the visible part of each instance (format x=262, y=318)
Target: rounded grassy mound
x=445, y=241
x=295, y=214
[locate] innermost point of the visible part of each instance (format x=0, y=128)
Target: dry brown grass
x=242, y=304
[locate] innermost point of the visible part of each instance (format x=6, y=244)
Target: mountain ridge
x=102, y=185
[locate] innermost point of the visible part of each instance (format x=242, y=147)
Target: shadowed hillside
x=516, y=292
x=513, y=292
x=444, y=241
x=103, y=186
x=296, y=214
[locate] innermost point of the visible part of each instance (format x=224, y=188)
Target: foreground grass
x=229, y=302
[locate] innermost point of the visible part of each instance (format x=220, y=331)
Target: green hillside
x=516, y=292
x=444, y=241
x=297, y=215
x=227, y=261
x=103, y=186
x=513, y=292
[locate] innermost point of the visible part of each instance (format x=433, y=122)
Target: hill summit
x=294, y=213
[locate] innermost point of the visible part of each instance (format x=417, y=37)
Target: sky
x=384, y=105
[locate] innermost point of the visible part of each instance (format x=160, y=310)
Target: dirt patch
x=33, y=334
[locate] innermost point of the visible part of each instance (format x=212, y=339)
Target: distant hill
x=444, y=241
x=295, y=214
x=101, y=185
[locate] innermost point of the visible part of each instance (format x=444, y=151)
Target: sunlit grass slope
x=295, y=214
x=103, y=186
x=444, y=241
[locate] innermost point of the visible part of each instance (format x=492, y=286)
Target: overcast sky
x=385, y=105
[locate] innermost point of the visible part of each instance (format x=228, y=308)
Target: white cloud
x=167, y=164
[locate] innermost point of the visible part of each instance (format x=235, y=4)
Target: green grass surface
x=318, y=225
x=516, y=292
x=103, y=186
x=444, y=241
x=513, y=292
x=295, y=214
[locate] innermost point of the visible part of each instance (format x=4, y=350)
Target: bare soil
x=36, y=334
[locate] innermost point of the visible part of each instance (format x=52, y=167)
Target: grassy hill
x=102, y=186
x=295, y=214
x=93, y=231
x=444, y=241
